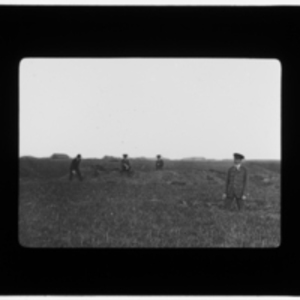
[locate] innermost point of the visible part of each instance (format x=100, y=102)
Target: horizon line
x=151, y=158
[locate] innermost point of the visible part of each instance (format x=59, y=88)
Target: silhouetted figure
x=74, y=168
x=159, y=163
x=125, y=164
x=236, y=183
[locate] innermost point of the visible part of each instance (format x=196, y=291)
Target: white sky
x=143, y=107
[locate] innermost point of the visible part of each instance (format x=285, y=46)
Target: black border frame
x=149, y=31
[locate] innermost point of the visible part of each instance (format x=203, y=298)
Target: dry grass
x=178, y=207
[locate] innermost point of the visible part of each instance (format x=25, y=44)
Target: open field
x=180, y=206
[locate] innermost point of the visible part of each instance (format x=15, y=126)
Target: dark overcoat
x=159, y=163
x=125, y=164
x=75, y=164
x=236, y=182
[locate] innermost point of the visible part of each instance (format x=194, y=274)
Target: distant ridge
x=194, y=158
x=144, y=158
x=60, y=156
x=28, y=157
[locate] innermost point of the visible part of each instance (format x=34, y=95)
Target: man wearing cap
x=125, y=165
x=236, y=183
x=74, y=168
x=159, y=163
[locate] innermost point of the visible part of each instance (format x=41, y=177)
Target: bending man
x=159, y=163
x=74, y=168
x=125, y=165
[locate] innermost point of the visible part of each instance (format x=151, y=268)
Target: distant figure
x=159, y=163
x=236, y=183
x=125, y=164
x=74, y=168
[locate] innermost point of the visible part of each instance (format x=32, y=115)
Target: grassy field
x=180, y=206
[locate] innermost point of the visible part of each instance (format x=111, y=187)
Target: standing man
x=74, y=168
x=125, y=165
x=159, y=163
x=236, y=183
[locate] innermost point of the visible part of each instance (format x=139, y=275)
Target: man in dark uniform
x=159, y=163
x=74, y=168
x=236, y=183
x=125, y=164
